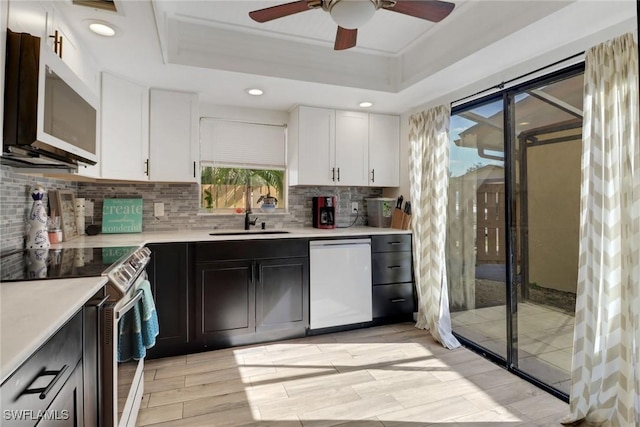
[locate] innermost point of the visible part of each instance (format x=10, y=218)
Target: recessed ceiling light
x=523, y=123
x=366, y=104
x=102, y=29
x=254, y=91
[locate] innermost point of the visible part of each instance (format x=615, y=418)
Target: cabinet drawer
x=45, y=372
x=391, y=243
x=247, y=249
x=391, y=267
x=393, y=300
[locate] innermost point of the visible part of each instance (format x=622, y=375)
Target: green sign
x=122, y=216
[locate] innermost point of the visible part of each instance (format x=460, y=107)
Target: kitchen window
x=242, y=166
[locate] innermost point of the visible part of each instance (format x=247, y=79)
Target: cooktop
x=38, y=264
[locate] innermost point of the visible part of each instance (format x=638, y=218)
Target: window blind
x=227, y=143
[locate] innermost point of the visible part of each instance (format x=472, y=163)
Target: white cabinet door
x=352, y=147
x=312, y=146
x=384, y=150
x=173, y=142
x=124, y=129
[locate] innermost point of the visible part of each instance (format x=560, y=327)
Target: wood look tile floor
x=393, y=375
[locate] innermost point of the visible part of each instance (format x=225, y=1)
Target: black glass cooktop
x=37, y=264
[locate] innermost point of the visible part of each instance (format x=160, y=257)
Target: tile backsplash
x=181, y=205
x=16, y=202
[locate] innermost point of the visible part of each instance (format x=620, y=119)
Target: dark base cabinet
x=282, y=294
x=393, y=291
x=50, y=383
x=224, y=300
x=169, y=273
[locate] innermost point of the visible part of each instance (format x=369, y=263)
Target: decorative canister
x=37, y=236
x=80, y=212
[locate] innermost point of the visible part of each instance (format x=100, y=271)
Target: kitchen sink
x=245, y=232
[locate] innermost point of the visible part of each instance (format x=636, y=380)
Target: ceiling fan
x=352, y=14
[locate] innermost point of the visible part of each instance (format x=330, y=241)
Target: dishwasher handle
x=345, y=242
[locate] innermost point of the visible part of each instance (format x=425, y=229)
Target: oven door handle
x=128, y=306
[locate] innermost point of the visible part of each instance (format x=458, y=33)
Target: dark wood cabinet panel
x=66, y=410
x=169, y=275
x=282, y=294
x=391, y=267
x=392, y=276
x=393, y=300
x=391, y=243
x=51, y=379
x=224, y=299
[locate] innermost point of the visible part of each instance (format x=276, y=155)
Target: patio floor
x=545, y=338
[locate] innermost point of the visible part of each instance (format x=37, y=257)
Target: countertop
x=140, y=239
x=31, y=312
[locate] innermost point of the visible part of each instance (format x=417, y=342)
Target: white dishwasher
x=340, y=285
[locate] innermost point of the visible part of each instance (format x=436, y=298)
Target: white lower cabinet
x=124, y=129
x=173, y=142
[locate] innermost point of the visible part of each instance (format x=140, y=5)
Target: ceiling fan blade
x=431, y=10
x=345, y=38
x=280, y=11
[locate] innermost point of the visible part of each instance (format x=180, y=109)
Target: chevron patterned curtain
x=429, y=178
x=605, y=378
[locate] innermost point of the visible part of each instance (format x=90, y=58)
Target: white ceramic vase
x=37, y=235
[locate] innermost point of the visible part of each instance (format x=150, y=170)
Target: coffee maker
x=324, y=212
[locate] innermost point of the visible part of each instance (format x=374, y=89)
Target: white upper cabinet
x=311, y=146
x=329, y=147
x=352, y=136
x=384, y=150
x=124, y=129
x=173, y=141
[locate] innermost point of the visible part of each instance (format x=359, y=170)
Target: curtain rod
x=501, y=85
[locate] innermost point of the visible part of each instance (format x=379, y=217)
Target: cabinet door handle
x=391, y=267
x=146, y=167
x=338, y=174
x=194, y=169
x=46, y=390
x=397, y=300
x=57, y=43
x=257, y=273
x=394, y=243
x=333, y=174
x=373, y=175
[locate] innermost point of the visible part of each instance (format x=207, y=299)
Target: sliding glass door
x=513, y=225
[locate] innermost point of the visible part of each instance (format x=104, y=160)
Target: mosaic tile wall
x=181, y=205
x=16, y=202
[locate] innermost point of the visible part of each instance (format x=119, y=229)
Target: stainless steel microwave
x=48, y=110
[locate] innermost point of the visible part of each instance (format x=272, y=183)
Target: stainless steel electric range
x=120, y=384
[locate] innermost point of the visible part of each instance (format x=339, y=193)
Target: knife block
x=400, y=220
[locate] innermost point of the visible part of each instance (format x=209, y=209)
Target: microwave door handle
x=128, y=306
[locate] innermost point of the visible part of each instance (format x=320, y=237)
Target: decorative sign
x=122, y=216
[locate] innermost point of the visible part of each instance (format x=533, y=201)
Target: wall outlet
x=158, y=209
x=354, y=207
x=88, y=208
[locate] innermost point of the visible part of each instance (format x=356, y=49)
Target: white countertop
x=139, y=239
x=31, y=312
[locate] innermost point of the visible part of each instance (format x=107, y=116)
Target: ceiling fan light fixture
x=254, y=91
x=366, y=104
x=352, y=14
x=102, y=29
